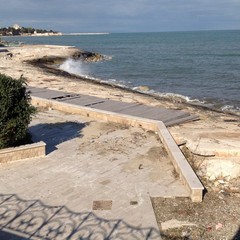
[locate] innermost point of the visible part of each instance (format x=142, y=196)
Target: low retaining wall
x=180, y=163
x=23, y=152
x=95, y=113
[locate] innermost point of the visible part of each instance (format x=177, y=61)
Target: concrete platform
x=167, y=116
x=83, y=187
x=110, y=187
x=182, y=167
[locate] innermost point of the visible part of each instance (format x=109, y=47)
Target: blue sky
x=122, y=15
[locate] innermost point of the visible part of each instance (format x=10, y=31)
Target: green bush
x=15, y=111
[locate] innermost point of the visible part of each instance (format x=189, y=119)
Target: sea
x=201, y=67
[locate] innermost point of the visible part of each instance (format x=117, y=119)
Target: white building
x=16, y=26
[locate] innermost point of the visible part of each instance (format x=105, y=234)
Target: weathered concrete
x=23, y=152
x=215, y=151
x=95, y=113
x=83, y=165
x=180, y=163
x=168, y=116
x=174, y=223
x=33, y=219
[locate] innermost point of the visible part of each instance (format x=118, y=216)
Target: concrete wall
x=23, y=152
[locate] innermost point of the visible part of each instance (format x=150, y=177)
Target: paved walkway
x=168, y=116
x=93, y=184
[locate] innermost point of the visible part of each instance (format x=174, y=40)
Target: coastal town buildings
x=17, y=30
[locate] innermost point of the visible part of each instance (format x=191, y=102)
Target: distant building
x=29, y=31
x=16, y=26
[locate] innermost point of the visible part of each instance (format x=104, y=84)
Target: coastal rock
x=213, y=167
x=212, y=149
x=88, y=56
x=174, y=223
x=205, y=141
x=6, y=55
x=49, y=60
x=216, y=168
x=215, y=144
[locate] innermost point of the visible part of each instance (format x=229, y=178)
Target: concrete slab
x=82, y=101
x=87, y=163
x=180, y=163
x=114, y=106
x=32, y=219
x=49, y=94
x=168, y=116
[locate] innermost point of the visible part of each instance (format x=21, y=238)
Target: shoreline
x=174, y=98
x=46, y=62
x=142, y=89
x=201, y=87
x=216, y=134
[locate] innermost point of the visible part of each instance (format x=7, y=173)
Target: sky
x=121, y=15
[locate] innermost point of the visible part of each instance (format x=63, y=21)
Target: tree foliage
x=16, y=111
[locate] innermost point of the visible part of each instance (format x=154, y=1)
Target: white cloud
x=123, y=15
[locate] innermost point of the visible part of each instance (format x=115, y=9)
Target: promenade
x=96, y=182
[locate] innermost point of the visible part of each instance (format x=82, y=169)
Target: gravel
x=217, y=217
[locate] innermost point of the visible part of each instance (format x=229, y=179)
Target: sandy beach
x=211, y=144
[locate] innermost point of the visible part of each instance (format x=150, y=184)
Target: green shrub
x=15, y=111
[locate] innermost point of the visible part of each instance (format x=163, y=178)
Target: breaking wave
x=75, y=67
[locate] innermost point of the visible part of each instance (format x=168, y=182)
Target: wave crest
x=75, y=67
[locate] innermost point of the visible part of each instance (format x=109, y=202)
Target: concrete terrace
x=90, y=170
x=96, y=181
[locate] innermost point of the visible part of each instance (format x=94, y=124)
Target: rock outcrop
x=89, y=56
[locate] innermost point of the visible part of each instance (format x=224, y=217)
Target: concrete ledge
x=23, y=152
x=180, y=163
x=95, y=113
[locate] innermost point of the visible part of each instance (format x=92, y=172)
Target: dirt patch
x=107, y=138
x=217, y=217
x=155, y=152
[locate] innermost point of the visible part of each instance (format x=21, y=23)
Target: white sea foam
x=193, y=101
x=74, y=67
x=178, y=97
x=107, y=58
x=230, y=108
x=77, y=67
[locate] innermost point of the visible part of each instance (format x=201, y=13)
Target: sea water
x=201, y=66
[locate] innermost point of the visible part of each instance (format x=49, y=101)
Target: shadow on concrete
x=237, y=235
x=32, y=219
x=55, y=133
x=10, y=236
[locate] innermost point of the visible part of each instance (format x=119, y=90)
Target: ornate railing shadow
x=237, y=235
x=55, y=133
x=34, y=220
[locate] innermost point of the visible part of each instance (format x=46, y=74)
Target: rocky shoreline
x=214, y=136
x=51, y=63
